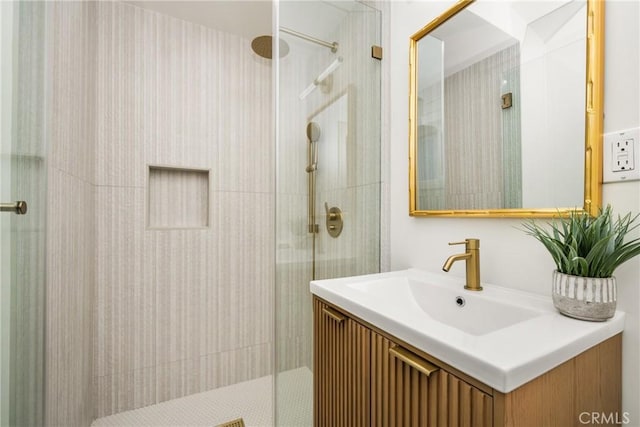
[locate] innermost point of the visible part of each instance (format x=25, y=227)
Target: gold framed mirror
x=506, y=110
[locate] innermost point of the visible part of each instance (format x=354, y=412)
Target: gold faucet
x=472, y=256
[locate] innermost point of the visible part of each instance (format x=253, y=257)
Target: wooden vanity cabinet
x=362, y=378
x=408, y=390
x=341, y=366
x=365, y=377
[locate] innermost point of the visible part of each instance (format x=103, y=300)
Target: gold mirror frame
x=593, y=121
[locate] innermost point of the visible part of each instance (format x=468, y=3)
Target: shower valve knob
x=331, y=214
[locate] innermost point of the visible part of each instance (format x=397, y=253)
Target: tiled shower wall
x=70, y=213
x=137, y=315
x=180, y=310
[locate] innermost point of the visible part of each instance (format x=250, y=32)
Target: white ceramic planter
x=585, y=298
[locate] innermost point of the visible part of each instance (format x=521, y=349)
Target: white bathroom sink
x=499, y=336
x=470, y=312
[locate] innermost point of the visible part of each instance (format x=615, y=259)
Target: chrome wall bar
x=331, y=45
x=18, y=208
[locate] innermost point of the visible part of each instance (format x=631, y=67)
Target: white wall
x=509, y=257
x=622, y=111
x=543, y=79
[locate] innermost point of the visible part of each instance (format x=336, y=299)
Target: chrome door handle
x=18, y=208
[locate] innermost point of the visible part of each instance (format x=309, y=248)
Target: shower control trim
x=334, y=220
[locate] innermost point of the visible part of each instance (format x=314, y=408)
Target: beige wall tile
x=171, y=93
x=70, y=215
x=125, y=314
x=245, y=275
x=69, y=301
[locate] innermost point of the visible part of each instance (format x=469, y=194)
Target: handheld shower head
x=313, y=135
x=313, y=132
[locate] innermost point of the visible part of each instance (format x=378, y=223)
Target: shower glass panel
x=339, y=90
x=22, y=240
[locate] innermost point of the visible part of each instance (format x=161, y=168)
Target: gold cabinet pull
x=412, y=360
x=334, y=314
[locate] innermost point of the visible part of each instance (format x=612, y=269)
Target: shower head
x=263, y=46
x=313, y=135
x=313, y=132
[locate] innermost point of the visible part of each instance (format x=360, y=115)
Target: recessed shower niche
x=177, y=197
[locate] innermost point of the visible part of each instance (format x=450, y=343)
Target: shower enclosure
x=335, y=87
x=164, y=260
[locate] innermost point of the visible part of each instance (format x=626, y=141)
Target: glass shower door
x=328, y=159
x=22, y=226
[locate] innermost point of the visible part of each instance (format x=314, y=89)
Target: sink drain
x=460, y=301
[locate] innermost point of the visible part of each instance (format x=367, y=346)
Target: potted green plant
x=587, y=250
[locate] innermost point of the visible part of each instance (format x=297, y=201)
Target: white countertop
x=505, y=358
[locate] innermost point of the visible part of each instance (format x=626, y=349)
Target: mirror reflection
x=500, y=108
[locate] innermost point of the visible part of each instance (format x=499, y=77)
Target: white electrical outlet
x=621, y=156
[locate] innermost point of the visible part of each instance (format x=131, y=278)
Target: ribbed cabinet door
x=341, y=371
x=404, y=396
